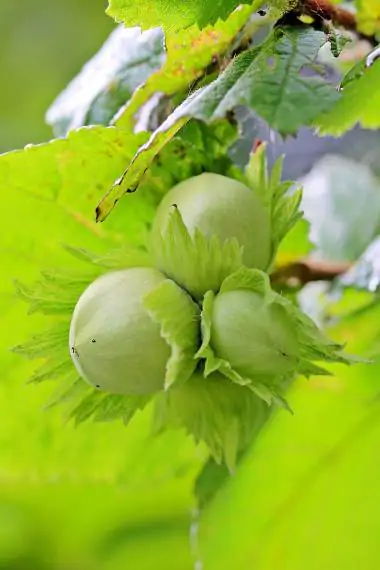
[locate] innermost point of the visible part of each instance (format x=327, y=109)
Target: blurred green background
x=43, y=44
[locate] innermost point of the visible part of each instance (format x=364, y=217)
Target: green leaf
x=354, y=73
x=65, y=178
x=131, y=178
x=359, y=103
x=179, y=317
x=172, y=15
x=195, y=149
x=197, y=263
x=274, y=91
x=108, y=80
x=277, y=92
x=188, y=55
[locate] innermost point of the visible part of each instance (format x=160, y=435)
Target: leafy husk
x=310, y=343
x=197, y=263
x=216, y=411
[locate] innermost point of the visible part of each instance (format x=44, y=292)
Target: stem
x=307, y=271
x=322, y=11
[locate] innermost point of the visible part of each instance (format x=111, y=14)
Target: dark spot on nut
x=93, y=340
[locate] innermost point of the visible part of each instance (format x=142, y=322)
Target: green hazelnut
x=255, y=337
x=115, y=344
x=224, y=207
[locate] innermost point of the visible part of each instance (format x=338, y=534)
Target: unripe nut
x=114, y=343
x=221, y=206
x=255, y=337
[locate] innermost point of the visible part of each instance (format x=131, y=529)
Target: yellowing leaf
x=188, y=54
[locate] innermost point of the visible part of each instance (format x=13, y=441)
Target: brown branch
x=301, y=272
x=323, y=11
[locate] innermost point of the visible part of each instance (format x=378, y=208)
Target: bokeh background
x=43, y=44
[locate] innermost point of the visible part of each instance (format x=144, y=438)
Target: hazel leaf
x=358, y=104
x=173, y=15
x=267, y=78
x=188, y=55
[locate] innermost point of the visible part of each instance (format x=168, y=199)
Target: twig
x=309, y=270
x=322, y=11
